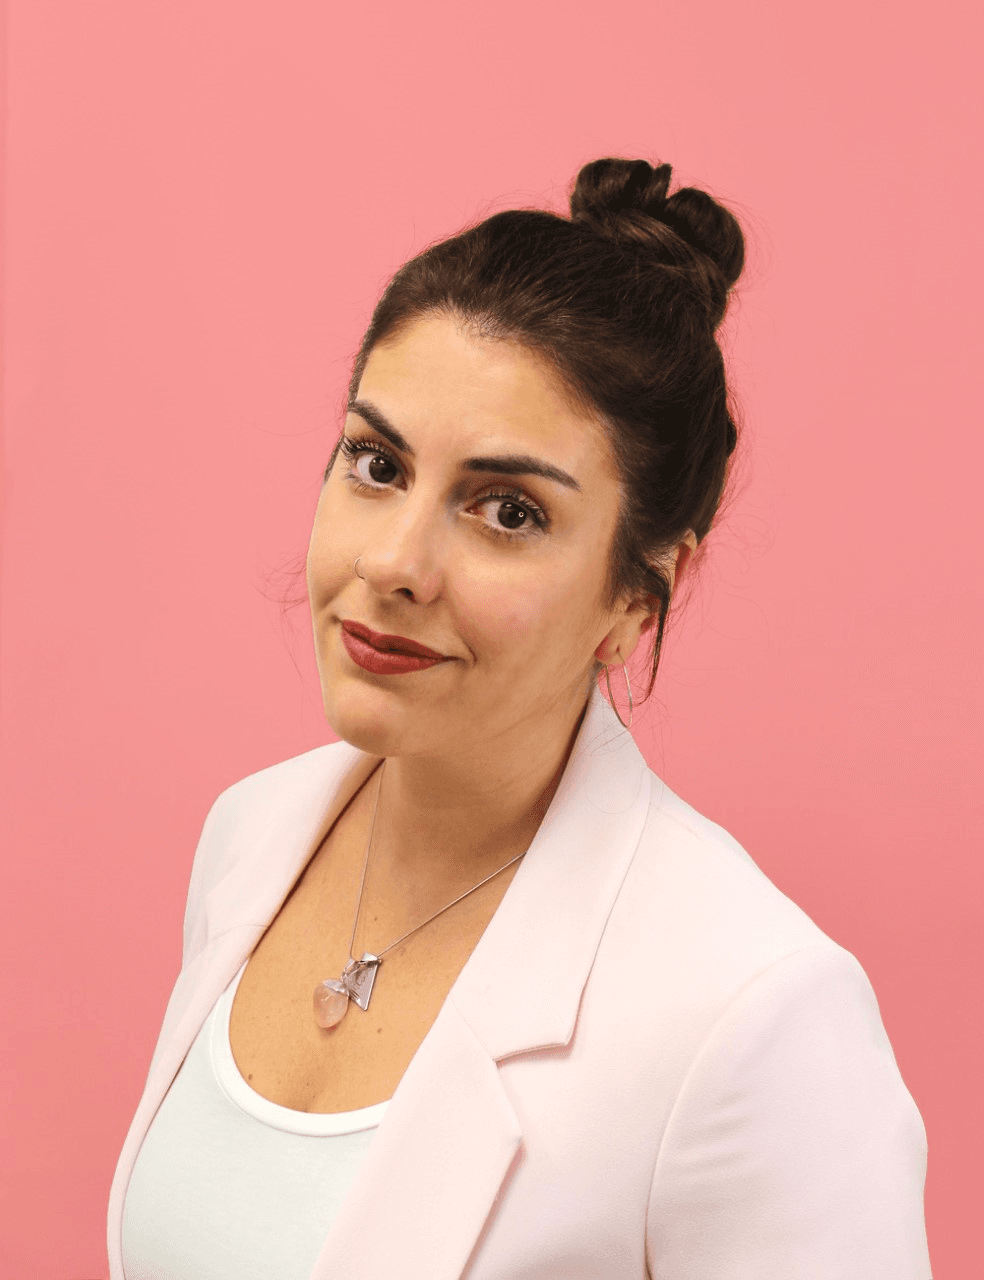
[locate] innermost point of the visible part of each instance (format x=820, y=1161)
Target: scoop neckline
x=244, y=1096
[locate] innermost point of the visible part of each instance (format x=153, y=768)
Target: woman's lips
x=384, y=664
x=389, y=644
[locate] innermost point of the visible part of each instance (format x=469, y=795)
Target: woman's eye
x=512, y=515
x=379, y=461
x=375, y=466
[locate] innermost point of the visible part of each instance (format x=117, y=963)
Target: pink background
x=203, y=200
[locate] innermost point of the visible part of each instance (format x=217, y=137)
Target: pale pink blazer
x=653, y=1064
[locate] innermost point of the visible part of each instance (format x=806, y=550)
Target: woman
x=471, y=992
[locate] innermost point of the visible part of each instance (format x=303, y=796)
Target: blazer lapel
x=450, y=1139
x=433, y=1169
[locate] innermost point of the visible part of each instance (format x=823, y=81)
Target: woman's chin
x=365, y=718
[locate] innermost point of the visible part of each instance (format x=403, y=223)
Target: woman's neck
x=451, y=822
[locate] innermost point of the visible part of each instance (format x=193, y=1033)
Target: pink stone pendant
x=331, y=1001
x=331, y=997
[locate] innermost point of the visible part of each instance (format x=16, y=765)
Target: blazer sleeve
x=794, y=1150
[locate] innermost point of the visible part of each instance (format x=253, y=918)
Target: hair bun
x=626, y=199
x=698, y=218
x=611, y=186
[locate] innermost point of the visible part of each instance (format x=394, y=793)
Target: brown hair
x=623, y=300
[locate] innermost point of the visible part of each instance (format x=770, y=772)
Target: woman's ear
x=621, y=638
x=677, y=558
x=684, y=550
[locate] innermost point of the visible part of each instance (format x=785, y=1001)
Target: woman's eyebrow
x=513, y=464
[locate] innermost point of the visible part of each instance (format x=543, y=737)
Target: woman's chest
x=279, y=1047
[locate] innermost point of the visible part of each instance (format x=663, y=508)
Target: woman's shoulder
x=289, y=795
x=695, y=892
x=701, y=943
x=267, y=786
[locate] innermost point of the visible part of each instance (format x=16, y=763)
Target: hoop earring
x=356, y=568
x=612, y=700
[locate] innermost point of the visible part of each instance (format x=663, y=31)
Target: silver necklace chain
x=365, y=866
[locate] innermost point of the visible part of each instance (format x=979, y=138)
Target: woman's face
x=500, y=570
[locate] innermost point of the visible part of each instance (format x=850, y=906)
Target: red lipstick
x=389, y=643
x=386, y=654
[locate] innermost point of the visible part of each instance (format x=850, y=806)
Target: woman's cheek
x=326, y=577
x=503, y=621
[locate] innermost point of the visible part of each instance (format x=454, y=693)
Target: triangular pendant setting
x=359, y=976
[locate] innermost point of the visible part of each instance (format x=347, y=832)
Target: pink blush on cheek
x=502, y=625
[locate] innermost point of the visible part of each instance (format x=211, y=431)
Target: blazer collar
x=450, y=1136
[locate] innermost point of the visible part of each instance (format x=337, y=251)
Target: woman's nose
x=407, y=551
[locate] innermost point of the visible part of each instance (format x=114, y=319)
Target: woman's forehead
x=439, y=374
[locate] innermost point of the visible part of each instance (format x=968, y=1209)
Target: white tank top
x=230, y=1186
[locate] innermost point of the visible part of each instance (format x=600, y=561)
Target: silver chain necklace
x=332, y=997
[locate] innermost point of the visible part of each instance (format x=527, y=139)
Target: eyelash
x=353, y=447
